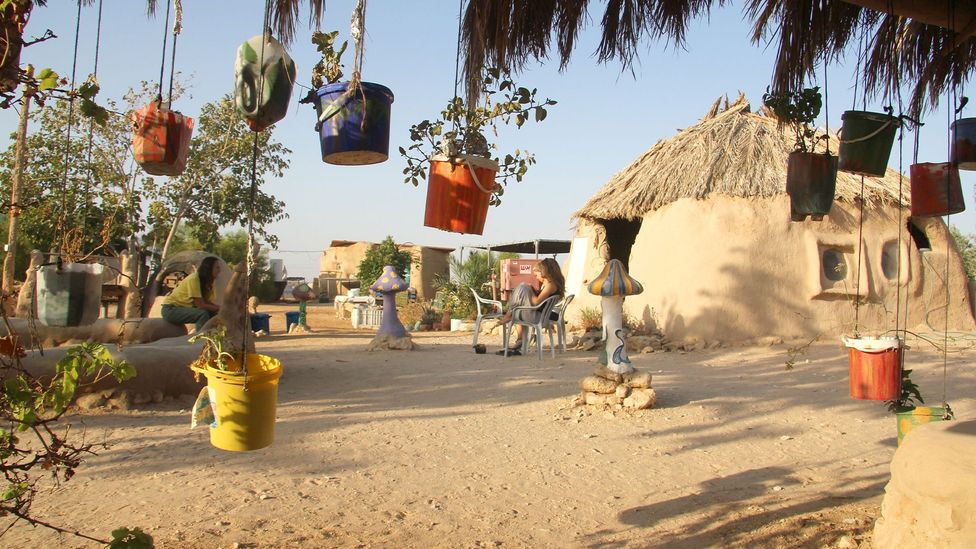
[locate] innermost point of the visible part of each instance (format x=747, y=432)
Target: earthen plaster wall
x=730, y=269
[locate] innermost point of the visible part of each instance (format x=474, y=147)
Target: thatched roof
x=734, y=152
x=927, y=45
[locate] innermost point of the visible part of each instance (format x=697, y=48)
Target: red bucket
x=874, y=374
x=936, y=189
x=456, y=201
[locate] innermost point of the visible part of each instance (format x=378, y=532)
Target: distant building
x=340, y=262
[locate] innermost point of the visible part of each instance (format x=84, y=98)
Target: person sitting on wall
x=193, y=299
x=550, y=276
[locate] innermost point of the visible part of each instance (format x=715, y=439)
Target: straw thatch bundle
x=734, y=152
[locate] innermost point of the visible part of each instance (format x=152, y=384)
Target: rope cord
x=949, y=115
x=91, y=128
x=901, y=144
x=63, y=216
x=177, y=28
x=162, y=62
x=457, y=64
x=860, y=241
x=826, y=98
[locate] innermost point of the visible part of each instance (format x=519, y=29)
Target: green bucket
x=865, y=142
x=909, y=418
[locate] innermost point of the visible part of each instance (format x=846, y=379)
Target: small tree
x=967, y=250
x=386, y=253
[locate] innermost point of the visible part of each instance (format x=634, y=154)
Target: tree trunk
x=20, y=152
x=13, y=19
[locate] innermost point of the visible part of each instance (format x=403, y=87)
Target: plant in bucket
x=465, y=176
x=239, y=402
x=875, y=366
x=353, y=117
x=908, y=410
x=811, y=176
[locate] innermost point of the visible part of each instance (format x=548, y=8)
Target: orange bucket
x=456, y=201
x=875, y=373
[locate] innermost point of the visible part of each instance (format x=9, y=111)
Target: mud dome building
x=702, y=220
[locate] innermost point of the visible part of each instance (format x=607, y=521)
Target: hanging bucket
x=936, y=189
x=354, y=128
x=865, y=143
x=811, y=179
x=458, y=193
x=70, y=295
x=161, y=139
x=262, y=108
x=245, y=409
x=875, y=367
x=909, y=418
x=963, y=150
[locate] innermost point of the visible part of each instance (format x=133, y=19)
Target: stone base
x=607, y=388
x=391, y=343
x=931, y=498
x=300, y=329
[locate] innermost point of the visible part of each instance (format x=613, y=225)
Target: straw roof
x=730, y=151
x=927, y=46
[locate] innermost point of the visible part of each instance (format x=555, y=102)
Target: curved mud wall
x=730, y=269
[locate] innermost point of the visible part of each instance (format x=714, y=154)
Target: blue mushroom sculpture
x=391, y=334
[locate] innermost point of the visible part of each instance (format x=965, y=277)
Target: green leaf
x=47, y=79
x=124, y=538
x=540, y=114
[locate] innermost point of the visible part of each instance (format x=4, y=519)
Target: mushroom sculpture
x=613, y=284
x=391, y=334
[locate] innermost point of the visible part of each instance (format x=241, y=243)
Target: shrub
x=590, y=318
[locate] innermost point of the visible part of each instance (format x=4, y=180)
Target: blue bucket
x=355, y=129
x=291, y=318
x=261, y=321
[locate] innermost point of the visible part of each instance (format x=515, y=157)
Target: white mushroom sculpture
x=613, y=284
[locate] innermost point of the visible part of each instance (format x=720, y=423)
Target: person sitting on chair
x=550, y=276
x=193, y=298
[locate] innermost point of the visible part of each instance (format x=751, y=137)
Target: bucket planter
x=962, y=152
x=244, y=406
x=875, y=366
x=811, y=179
x=354, y=125
x=865, y=143
x=70, y=294
x=458, y=193
x=264, y=75
x=161, y=139
x=910, y=417
x=936, y=189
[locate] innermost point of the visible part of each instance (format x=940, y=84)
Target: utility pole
x=19, y=153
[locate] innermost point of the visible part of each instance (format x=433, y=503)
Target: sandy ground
x=441, y=447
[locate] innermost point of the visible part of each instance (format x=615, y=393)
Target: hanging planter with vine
x=465, y=176
x=353, y=117
x=811, y=177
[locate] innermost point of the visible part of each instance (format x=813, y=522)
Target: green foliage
x=31, y=406
x=966, y=244
x=461, y=130
x=379, y=256
x=590, y=318
x=799, y=110
x=910, y=395
x=328, y=70
x=456, y=298
x=213, y=349
x=474, y=272
x=135, y=538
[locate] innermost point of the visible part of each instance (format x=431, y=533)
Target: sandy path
x=443, y=447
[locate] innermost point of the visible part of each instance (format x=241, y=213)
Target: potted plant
x=244, y=400
x=908, y=410
x=428, y=316
x=353, y=116
x=811, y=177
x=865, y=141
x=466, y=176
x=875, y=366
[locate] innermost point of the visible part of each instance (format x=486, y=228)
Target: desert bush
x=590, y=318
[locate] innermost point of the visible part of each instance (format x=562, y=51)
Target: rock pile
x=607, y=388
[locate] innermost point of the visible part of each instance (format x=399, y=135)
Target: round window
x=889, y=260
x=834, y=266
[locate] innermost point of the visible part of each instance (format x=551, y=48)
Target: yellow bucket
x=245, y=411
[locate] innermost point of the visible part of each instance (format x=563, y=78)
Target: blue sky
x=603, y=121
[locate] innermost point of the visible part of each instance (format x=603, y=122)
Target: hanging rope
x=357, y=29
x=950, y=114
x=457, y=64
x=91, y=128
x=177, y=28
x=162, y=62
x=63, y=216
x=901, y=143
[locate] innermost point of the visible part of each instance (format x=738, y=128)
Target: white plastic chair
x=539, y=326
x=560, y=310
x=493, y=309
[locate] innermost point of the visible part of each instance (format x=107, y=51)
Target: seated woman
x=550, y=276
x=193, y=299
